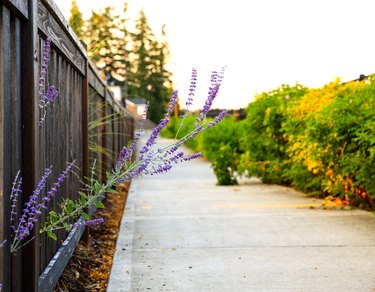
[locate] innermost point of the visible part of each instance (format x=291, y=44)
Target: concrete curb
x=120, y=277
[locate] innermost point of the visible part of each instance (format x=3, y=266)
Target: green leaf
x=85, y=216
x=111, y=191
x=70, y=206
x=99, y=204
x=51, y=235
x=53, y=214
x=67, y=226
x=83, y=195
x=97, y=187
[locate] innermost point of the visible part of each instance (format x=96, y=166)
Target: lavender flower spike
x=60, y=179
x=33, y=208
x=133, y=145
x=172, y=103
x=89, y=222
x=16, y=192
x=49, y=96
x=192, y=156
x=193, y=85
x=212, y=93
x=30, y=212
x=43, y=70
x=217, y=119
x=122, y=157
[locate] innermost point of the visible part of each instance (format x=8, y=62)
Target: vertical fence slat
x=5, y=160
x=31, y=167
x=16, y=128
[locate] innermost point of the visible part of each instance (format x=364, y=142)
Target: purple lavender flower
x=15, y=193
x=33, y=208
x=154, y=135
x=51, y=95
x=45, y=98
x=30, y=212
x=192, y=156
x=142, y=167
x=171, y=104
x=217, y=119
x=60, y=179
x=88, y=222
x=122, y=157
x=177, y=157
x=193, y=85
x=138, y=133
x=212, y=93
x=189, y=101
x=161, y=168
x=44, y=66
x=173, y=149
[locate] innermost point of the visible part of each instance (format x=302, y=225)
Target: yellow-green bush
x=318, y=140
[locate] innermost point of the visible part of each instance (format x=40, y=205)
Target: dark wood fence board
x=5, y=163
x=51, y=28
x=54, y=10
x=95, y=81
x=30, y=161
x=22, y=6
x=94, y=71
x=18, y=7
x=16, y=129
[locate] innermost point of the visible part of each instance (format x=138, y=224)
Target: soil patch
x=90, y=266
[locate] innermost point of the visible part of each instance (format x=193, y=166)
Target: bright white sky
x=263, y=43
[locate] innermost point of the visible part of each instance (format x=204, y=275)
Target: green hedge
x=219, y=144
x=320, y=141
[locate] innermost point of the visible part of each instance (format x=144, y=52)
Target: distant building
x=116, y=92
x=136, y=106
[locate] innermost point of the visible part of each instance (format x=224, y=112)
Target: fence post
x=5, y=160
x=30, y=253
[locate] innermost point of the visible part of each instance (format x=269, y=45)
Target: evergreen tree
x=134, y=60
x=101, y=40
x=75, y=20
x=108, y=43
x=121, y=61
x=150, y=78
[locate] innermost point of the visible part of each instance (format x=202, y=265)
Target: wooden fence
x=70, y=131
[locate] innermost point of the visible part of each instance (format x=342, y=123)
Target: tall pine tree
x=149, y=79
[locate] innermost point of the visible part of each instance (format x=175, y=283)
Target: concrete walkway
x=181, y=232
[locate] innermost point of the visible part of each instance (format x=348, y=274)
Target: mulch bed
x=90, y=266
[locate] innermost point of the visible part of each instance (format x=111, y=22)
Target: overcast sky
x=263, y=43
